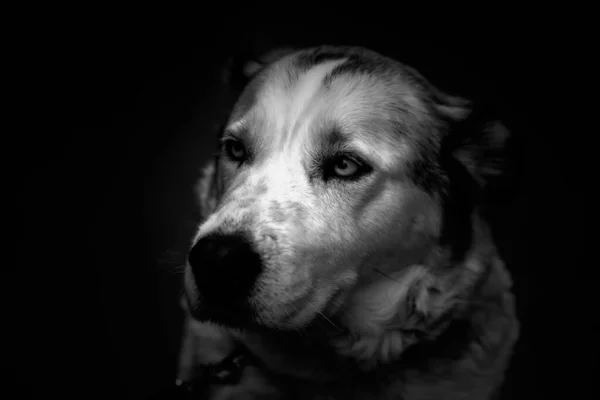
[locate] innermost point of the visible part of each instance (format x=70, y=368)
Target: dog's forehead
x=292, y=99
x=285, y=73
x=311, y=93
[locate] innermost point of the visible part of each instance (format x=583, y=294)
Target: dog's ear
x=475, y=139
x=449, y=107
x=446, y=106
x=485, y=153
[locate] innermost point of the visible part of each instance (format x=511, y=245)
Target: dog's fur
x=393, y=277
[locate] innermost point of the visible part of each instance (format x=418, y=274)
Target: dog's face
x=328, y=173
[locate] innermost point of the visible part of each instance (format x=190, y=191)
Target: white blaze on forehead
x=287, y=112
x=285, y=108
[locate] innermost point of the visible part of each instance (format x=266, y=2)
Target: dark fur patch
x=277, y=212
x=426, y=174
x=458, y=203
x=318, y=56
x=261, y=188
x=445, y=178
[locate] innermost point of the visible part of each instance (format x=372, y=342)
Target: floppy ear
x=484, y=155
x=475, y=140
x=453, y=108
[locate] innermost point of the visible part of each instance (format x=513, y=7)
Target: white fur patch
x=285, y=109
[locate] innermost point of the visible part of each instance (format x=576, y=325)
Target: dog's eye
x=345, y=167
x=235, y=150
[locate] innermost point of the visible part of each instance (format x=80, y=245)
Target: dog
x=342, y=241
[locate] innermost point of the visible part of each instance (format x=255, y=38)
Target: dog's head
x=332, y=171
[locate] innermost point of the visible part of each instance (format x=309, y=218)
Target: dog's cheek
x=400, y=218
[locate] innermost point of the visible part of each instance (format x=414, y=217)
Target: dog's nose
x=225, y=267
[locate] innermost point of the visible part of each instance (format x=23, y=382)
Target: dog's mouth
x=300, y=313
x=222, y=288
x=236, y=317
x=225, y=317
x=247, y=318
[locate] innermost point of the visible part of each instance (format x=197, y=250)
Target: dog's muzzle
x=225, y=269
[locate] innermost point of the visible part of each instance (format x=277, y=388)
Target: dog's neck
x=471, y=354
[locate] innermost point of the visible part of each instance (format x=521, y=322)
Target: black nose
x=225, y=267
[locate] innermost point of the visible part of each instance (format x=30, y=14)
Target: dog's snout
x=224, y=266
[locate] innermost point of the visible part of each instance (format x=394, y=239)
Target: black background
x=125, y=113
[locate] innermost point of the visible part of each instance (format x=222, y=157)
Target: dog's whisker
x=171, y=262
x=300, y=329
x=386, y=275
x=345, y=311
x=324, y=316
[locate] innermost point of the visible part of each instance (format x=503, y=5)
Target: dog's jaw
x=487, y=341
